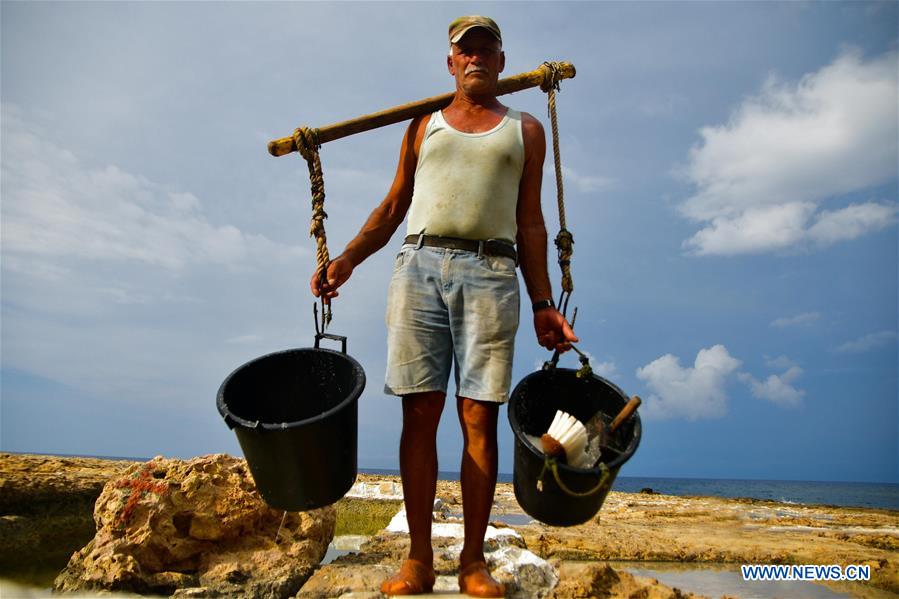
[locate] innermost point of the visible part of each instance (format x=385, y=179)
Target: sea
x=847, y=494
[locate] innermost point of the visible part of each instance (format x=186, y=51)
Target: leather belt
x=488, y=247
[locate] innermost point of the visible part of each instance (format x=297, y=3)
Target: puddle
x=513, y=519
x=342, y=545
x=37, y=575
x=714, y=581
x=333, y=553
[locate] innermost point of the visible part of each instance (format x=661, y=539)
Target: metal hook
x=326, y=317
x=320, y=330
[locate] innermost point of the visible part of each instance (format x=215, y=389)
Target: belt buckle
x=421, y=240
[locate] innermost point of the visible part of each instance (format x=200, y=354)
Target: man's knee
x=423, y=409
x=478, y=418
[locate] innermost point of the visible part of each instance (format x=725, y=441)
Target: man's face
x=476, y=61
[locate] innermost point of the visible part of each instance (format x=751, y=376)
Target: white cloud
x=606, y=370
x=851, y=222
x=779, y=363
x=122, y=286
x=755, y=230
x=761, y=176
x=571, y=177
x=776, y=388
x=867, y=342
x=692, y=393
x=56, y=210
x=806, y=318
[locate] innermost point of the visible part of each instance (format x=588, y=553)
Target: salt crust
x=452, y=530
x=379, y=490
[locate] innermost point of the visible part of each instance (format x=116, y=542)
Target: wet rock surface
x=195, y=528
x=46, y=507
x=666, y=528
x=525, y=574
x=634, y=527
x=30, y=483
x=209, y=560
x=601, y=580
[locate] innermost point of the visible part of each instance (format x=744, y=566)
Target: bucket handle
x=320, y=336
x=320, y=333
x=585, y=370
x=551, y=464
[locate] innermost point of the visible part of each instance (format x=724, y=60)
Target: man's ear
x=502, y=61
x=449, y=63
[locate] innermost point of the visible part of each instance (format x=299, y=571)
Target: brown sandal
x=413, y=578
x=475, y=581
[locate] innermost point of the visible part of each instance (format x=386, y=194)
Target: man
x=466, y=175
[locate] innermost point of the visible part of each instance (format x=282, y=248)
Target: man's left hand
x=553, y=331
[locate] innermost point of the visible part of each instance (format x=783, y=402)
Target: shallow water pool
x=716, y=580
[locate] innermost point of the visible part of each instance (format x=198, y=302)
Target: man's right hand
x=339, y=270
x=553, y=331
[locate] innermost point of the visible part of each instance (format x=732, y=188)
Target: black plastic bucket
x=295, y=413
x=553, y=492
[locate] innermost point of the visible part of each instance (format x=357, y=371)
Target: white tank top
x=466, y=184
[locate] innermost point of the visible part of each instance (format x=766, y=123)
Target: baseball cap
x=460, y=27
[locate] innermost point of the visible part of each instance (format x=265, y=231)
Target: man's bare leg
x=418, y=468
x=479, y=467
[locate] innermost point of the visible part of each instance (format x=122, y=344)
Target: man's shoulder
x=527, y=119
x=420, y=121
x=415, y=132
x=530, y=125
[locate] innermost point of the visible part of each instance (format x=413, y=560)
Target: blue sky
x=731, y=183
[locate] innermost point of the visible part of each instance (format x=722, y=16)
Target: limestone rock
x=526, y=575
x=347, y=576
x=196, y=528
x=597, y=581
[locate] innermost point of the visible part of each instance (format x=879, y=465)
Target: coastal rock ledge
x=196, y=528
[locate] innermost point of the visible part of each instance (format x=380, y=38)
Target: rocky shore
x=198, y=529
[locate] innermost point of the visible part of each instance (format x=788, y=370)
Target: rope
x=552, y=76
x=551, y=464
x=307, y=144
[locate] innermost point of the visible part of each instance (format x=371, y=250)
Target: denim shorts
x=451, y=307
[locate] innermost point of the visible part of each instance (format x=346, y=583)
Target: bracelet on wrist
x=542, y=304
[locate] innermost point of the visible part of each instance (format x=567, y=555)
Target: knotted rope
x=307, y=144
x=564, y=240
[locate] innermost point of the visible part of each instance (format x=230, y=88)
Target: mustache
x=474, y=69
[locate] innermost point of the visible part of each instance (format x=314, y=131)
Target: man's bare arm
x=553, y=331
x=382, y=222
x=531, y=228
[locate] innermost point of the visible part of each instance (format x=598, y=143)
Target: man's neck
x=475, y=105
x=470, y=115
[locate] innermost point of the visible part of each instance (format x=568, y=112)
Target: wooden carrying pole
x=537, y=77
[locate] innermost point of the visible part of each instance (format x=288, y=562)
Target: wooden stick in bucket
x=626, y=412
